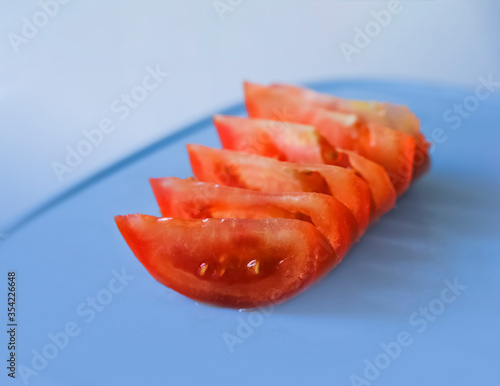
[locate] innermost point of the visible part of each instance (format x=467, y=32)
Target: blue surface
x=446, y=228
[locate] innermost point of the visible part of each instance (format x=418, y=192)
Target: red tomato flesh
x=392, y=149
x=398, y=117
x=251, y=171
x=302, y=144
x=394, y=116
x=193, y=199
x=239, y=263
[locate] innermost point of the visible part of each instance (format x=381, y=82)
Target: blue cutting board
x=426, y=277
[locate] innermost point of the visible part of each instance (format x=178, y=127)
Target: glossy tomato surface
x=239, y=263
x=265, y=174
x=302, y=144
x=392, y=115
x=194, y=199
x=392, y=149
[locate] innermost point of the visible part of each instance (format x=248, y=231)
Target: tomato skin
x=422, y=162
x=302, y=144
x=383, y=197
x=392, y=149
x=193, y=199
x=250, y=171
x=238, y=263
x=394, y=116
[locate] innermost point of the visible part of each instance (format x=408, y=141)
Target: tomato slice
x=239, y=263
x=398, y=117
x=193, y=199
x=395, y=116
x=392, y=149
x=251, y=171
x=302, y=144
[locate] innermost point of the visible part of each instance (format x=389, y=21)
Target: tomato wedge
x=239, y=263
x=397, y=117
x=302, y=144
x=193, y=199
x=251, y=171
x=392, y=149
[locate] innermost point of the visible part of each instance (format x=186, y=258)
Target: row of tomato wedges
x=297, y=183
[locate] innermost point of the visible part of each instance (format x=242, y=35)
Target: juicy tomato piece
x=285, y=141
x=398, y=117
x=302, y=144
x=392, y=149
x=240, y=263
x=395, y=116
x=251, y=171
x=193, y=199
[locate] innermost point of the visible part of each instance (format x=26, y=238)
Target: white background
x=64, y=79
